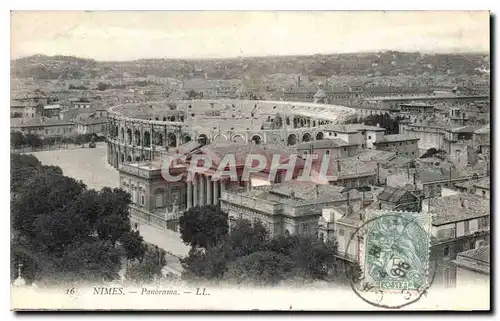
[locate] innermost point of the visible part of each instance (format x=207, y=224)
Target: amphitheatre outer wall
x=140, y=131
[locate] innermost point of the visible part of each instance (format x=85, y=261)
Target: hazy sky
x=133, y=35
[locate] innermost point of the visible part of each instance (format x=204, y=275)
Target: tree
x=132, y=243
x=263, y=267
x=33, y=140
x=203, y=226
x=16, y=139
x=208, y=264
x=146, y=270
x=245, y=239
x=46, y=193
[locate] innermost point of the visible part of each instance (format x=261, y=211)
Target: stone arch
x=295, y=123
x=137, y=136
x=278, y=123
x=172, y=140
x=186, y=139
x=147, y=139
x=159, y=139
x=203, y=139
x=319, y=136
x=164, y=118
x=306, y=137
x=288, y=121
x=291, y=140
x=274, y=138
x=257, y=139
x=137, y=159
x=238, y=138
x=129, y=136
x=129, y=158
x=220, y=137
x=123, y=158
x=172, y=118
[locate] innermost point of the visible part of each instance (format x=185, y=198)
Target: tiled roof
x=219, y=149
x=47, y=122
x=89, y=120
x=324, y=143
x=375, y=155
x=456, y=208
x=391, y=194
x=481, y=254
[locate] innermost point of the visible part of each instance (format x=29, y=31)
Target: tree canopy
x=203, y=226
x=247, y=254
x=64, y=231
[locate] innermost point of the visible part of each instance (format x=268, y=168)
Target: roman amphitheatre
x=143, y=130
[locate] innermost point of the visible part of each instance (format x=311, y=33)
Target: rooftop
x=392, y=194
x=379, y=156
x=44, y=122
x=481, y=254
x=456, y=208
x=324, y=143
x=300, y=193
x=465, y=129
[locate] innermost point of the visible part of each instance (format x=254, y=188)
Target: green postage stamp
x=396, y=251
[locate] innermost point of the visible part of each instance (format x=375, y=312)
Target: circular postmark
x=394, y=260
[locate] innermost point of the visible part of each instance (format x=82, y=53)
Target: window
x=345, y=149
x=466, y=227
x=446, y=251
x=466, y=245
x=327, y=152
x=369, y=137
x=483, y=192
x=329, y=134
x=305, y=228
x=335, y=135
x=142, y=199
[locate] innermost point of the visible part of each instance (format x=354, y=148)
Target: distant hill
x=356, y=64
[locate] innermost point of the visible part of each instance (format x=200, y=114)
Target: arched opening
x=319, y=136
x=186, y=139
x=164, y=118
x=129, y=158
x=137, y=136
x=147, y=139
x=123, y=134
x=129, y=136
x=182, y=118
x=137, y=159
x=238, y=139
x=172, y=140
x=295, y=122
x=288, y=121
x=278, y=123
x=306, y=137
x=159, y=139
x=256, y=139
x=203, y=139
x=172, y=118
x=123, y=158
x=292, y=140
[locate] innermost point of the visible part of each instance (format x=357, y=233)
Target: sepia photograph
x=250, y=160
